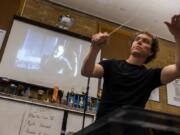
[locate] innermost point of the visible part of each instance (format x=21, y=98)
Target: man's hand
x=171, y=72
x=174, y=26
x=99, y=40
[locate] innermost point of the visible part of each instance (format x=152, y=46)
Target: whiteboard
x=45, y=57
x=18, y=118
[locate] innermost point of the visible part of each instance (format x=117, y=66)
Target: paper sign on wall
x=155, y=95
x=2, y=36
x=173, y=93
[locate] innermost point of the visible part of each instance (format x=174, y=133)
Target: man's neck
x=135, y=60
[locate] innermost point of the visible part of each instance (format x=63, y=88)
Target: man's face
x=141, y=45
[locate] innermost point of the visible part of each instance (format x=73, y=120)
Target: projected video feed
x=39, y=50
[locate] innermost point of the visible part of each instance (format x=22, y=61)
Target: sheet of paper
x=173, y=93
x=2, y=36
x=155, y=95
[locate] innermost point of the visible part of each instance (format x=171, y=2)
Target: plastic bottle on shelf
x=55, y=93
x=60, y=95
x=5, y=85
x=72, y=94
x=13, y=89
x=64, y=98
x=20, y=90
x=40, y=94
x=81, y=102
x=27, y=92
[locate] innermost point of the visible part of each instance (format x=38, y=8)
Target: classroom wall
x=8, y=8
x=47, y=12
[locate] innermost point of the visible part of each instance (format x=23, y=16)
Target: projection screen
x=41, y=56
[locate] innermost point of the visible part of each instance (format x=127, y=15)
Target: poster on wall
x=155, y=95
x=2, y=36
x=173, y=93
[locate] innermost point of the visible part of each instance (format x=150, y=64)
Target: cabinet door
x=75, y=121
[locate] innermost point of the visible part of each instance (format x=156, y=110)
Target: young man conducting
x=129, y=82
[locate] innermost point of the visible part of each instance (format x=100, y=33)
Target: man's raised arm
x=171, y=72
x=89, y=67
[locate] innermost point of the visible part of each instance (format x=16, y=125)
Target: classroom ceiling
x=137, y=14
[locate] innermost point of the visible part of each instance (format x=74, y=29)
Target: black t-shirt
x=126, y=84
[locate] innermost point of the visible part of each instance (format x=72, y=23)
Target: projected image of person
x=48, y=54
x=66, y=64
x=63, y=61
x=129, y=82
x=40, y=50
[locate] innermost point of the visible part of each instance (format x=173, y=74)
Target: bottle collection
x=78, y=101
x=48, y=95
